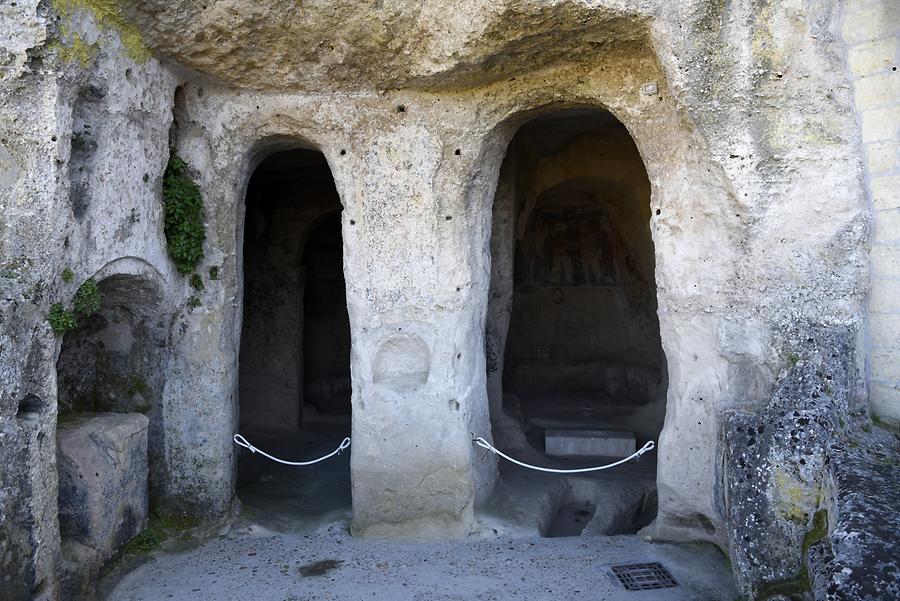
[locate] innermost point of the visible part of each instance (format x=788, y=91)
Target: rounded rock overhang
x=332, y=45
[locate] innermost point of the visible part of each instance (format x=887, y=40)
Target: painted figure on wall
x=568, y=246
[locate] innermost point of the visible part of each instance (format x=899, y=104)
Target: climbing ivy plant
x=184, y=228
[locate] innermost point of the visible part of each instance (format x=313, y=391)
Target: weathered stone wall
x=871, y=31
x=759, y=219
x=60, y=77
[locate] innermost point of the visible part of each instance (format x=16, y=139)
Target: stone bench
x=102, y=464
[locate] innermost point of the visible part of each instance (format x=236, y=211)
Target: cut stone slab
x=102, y=463
x=589, y=443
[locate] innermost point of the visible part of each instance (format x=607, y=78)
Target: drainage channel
x=644, y=576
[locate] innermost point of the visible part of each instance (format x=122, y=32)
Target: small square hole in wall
x=644, y=576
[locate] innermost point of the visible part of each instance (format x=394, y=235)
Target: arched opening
x=295, y=340
x=110, y=380
x=576, y=370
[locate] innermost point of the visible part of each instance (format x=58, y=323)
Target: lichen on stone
x=73, y=49
x=108, y=13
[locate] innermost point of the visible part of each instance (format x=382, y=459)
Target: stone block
x=884, y=401
x=886, y=193
x=884, y=329
x=869, y=22
x=589, y=443
x=885, y=260
x=102, y=464
x=877, y=90
x=872, y=57
x=882, y=157
x=885, y=297
x=885, y=364
x=880, y=124
x=887, y=225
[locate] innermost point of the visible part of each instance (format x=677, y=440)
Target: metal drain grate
x=644, y=576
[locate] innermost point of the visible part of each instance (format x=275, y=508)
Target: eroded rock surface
x=811, y=494
x=741, y=113
x=102, y=462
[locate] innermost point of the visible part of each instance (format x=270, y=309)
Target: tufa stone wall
x=742, y=113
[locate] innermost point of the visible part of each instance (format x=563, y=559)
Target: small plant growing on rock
x=184, y=227
x=194, y=302
x=61, y=319
x=87, y=298
x=67, y=275
x=214, y=273
x=196, y=282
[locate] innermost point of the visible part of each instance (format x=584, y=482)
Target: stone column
x=416, y=295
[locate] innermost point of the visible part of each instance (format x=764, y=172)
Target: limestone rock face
x=344, y=44
x=102, y=461
x=743, y=118
x=811, y=502
x=775, y=464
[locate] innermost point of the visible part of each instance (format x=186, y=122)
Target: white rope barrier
x=481, y=442
x=486, y=445
x=243, y=442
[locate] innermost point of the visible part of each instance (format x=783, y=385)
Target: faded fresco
x=567, y=246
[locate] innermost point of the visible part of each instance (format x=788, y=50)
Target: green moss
x=61, y=319
x=159, y=529
x=184, y=227
x=108, y=13
x=67, y=275
x=790, y=587
x=149, y=539
x=882, y=423
x=818, y=531
x=137, y=385
x=87, y=298
x=801, y=583
x=174, y=523
x=196, y=282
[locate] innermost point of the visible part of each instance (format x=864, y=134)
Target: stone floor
x=252, y=563
x=290, y=541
